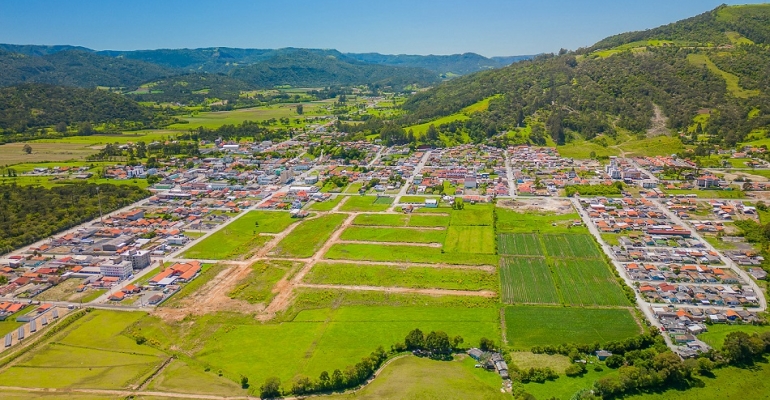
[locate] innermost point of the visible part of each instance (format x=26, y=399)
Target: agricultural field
x=527, y=280
x=384, y=234
x=367, y=203
x=473, y=215
x=520, y=244
x=240, y=237
x=91, y=353
x=588, y=282
x=409, y=254
x=528, y=326
x=571, y=246
x=470, y=239
x=308, y=236
x=215, y=119
x=510, y=221
x=399, y=276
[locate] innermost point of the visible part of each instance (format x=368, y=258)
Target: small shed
x=603, y=354
x=431, y=203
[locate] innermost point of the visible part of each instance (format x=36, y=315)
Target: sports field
x=528, y=326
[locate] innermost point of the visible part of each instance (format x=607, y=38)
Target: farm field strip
x=411, y=254
x=398, y=276
x=570, y=246
x=519, y=244
x=527, y=280
x=431, y=292
x=402, y=220
x=309, y=236
x=588, y=282
x=470, y=239
x=487, y=268
x=385, y=234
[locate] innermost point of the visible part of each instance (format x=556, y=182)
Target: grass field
x=258, y=286
x=413, y=254
x=309, y=236
x=521, y=244
x=326, y=205
x=367, y=203
x=470, y=239
x=715, y=337
x=410, y=220
x=473, y=215
x=406, y=235
x=398, y=276
x=180, y=377
x=326, y=339
x=13, y=153
x=238, y=238
x=528, y=326
x=510, y=221
x=527, y=280
x=588, y=282
x=92, y=353
x=216, y=119
x=420, y=378
x=710, y=194
x=571, y=246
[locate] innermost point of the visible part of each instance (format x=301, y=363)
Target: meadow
x=470, y=239
x=407, y=235
x=399, y=276
x=510, y=221
x=411, y=254
x=308, y=236
x=528, y=326
x=241, y=236
x=366, y=203
x=215, y=119
x=527, y=280
x=404, y=220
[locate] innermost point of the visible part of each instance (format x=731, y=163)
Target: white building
x=139, y=258
x=121, y=269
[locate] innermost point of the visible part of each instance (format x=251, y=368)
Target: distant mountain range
x=259, y=68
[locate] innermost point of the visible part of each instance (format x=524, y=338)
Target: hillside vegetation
x=613, y=88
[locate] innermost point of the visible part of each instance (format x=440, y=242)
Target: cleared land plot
x=470, y=239
x=326, y=205
x=309, y=236
x=527, y=280
x=393, y=235
x=13, y=153
x=528, y=326
x=408, y=220
x=509, y=221
x=366, y=203
x=519, y=244
x=241, y=236
x=478, y=214
x=588, y=282
x=398, y=276
x=571, y=246
x=92, y=354
x=328, y=339
x=258, y=285
x=182, y=378
x=413, y=254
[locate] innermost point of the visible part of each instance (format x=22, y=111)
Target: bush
x=576, y=369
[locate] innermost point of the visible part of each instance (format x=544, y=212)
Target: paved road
x=509, y=175
x=417, y=169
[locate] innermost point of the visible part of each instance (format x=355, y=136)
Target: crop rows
x=527, y=280
x=519, y=244
x=588, y=282
x=571, y=246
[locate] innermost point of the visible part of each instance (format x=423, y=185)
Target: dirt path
x=212, y=297
x=155, y=374
x=433, y=292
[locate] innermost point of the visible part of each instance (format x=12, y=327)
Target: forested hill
x=715, y=64
x=305, y=68
x=34, y=105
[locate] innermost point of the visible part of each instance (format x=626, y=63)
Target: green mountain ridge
x=701, y=64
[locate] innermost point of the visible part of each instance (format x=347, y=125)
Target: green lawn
x=420, y=378
x=528, y=326
x=407, y=235
x=470, y=239
x=366, y=203
x=309, y=236
x=398, y=276
x=241, y=237
x=92, y=353
x=413, y=254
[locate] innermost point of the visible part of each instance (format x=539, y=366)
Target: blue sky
x=487, y=27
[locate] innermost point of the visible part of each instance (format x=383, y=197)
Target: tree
x=457, y=341
x=300, y=109
x=244, y=382
x=271, y=388
x=740, y=348
x=414, y=340
x=27, y=148
x=337, y=379
x=85, y=129
x=61, y=127
x=486, y=344
x=438, y=343
x=458, y=204
x=302, y=385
